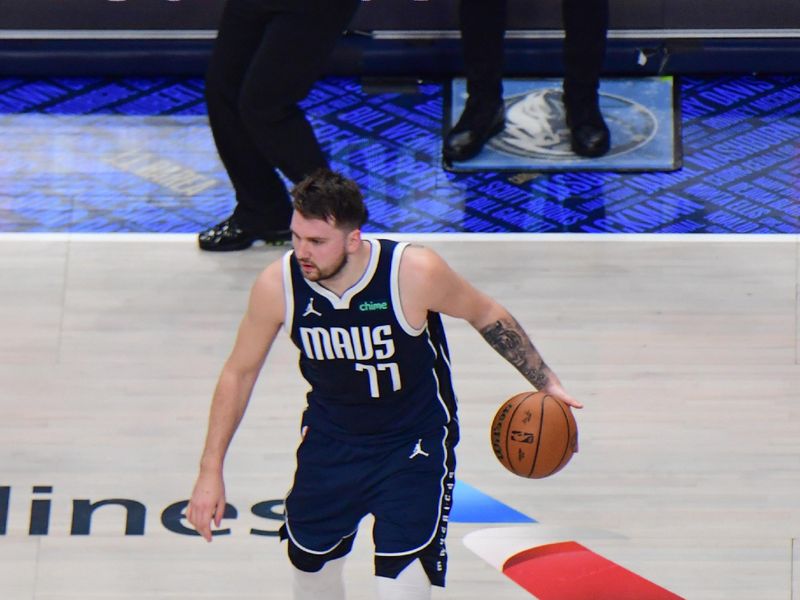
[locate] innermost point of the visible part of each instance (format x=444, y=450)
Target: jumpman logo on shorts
x=418, y=450
x=310, y=309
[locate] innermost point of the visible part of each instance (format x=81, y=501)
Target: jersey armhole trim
x=288, y=292
x=394, y=286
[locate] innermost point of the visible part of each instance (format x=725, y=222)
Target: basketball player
x=483, y=25
x=380, y=426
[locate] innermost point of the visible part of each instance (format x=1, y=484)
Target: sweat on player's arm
x=430, y=278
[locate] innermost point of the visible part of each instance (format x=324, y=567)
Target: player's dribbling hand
x=207, y=503
x=555, y=389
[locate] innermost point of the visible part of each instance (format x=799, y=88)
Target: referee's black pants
x=483, y=24
x=267, y=55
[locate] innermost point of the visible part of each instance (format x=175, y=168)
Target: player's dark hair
x=330, y=196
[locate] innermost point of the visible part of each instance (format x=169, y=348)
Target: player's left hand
x=556, y=390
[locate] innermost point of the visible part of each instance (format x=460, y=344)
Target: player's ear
x=353, y=240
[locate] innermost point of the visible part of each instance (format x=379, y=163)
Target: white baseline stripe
x=98, y=237
x=436, y=237
x=590, y=237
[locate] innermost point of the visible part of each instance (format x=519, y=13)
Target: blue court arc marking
x=470, y=505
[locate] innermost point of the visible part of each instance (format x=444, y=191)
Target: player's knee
x=305, y=561
x=313, y=563
x=327, y=583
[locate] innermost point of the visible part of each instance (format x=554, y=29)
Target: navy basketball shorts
x=407, y=486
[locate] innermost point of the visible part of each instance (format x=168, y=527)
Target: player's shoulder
x=270, y=281
x=422, y=269
x=422, y=261
x=267, y=298
x=417, y=257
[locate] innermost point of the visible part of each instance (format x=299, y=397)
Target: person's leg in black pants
x=266, y=58
x=483, y=25
x=586, y=27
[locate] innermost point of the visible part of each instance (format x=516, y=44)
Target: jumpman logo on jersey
x=310, y=309
x=418, y=450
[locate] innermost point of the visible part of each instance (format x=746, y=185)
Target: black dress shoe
x=589, y=135
x=229, y=235
x=474, y=128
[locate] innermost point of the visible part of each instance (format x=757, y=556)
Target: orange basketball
x=534, y=434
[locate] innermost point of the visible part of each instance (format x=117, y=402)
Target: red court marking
x=569, y=571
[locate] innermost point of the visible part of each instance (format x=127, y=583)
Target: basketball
x=534, y=434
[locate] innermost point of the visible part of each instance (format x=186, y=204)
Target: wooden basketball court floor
x=684, y=349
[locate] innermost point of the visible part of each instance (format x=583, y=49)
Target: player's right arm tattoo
x=512, y=343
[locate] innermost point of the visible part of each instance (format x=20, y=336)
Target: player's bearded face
x=314, y=271
x=320, y=248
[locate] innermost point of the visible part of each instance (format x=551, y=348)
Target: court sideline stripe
x=793, y=238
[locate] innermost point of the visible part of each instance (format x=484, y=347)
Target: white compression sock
x=325, y=584
x=411, y=584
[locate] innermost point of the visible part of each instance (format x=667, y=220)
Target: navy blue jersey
x=373, y=376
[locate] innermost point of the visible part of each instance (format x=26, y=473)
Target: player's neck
x=351, y=272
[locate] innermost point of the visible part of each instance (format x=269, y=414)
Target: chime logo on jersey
x=373, y=305
x=355, y=343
